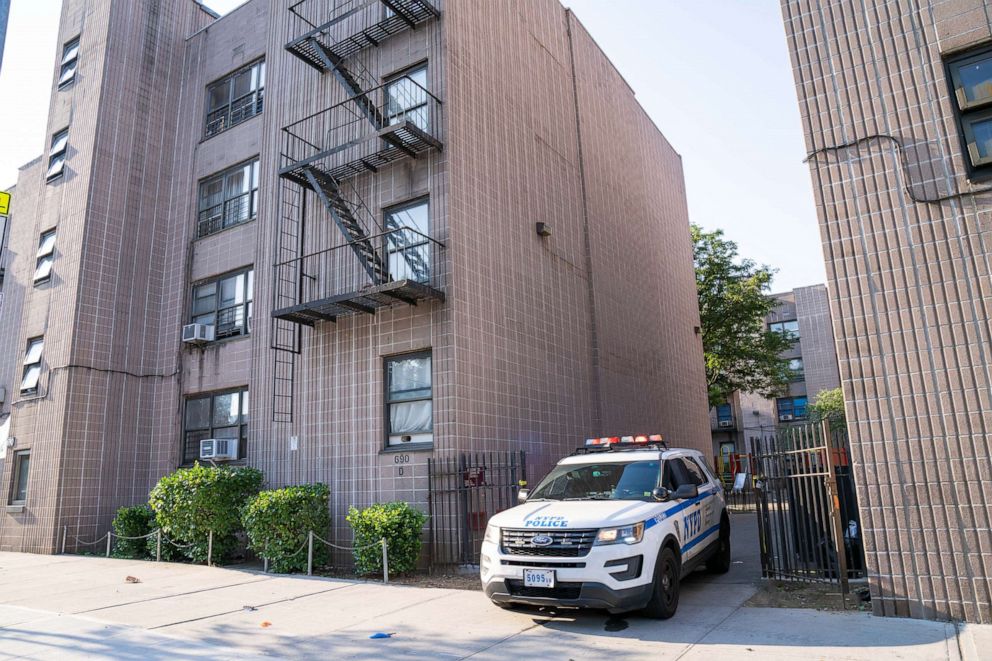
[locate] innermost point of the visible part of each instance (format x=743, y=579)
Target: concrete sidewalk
x=70, y=607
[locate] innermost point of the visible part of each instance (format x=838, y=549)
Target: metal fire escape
x=372, y=266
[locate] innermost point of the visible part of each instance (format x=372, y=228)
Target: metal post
x=108, y=544
x=210, y=547
x=265, y=565
x=834, y=504
x=158, y=545
x=385, y=561
x=310, y=553
x=65, y=531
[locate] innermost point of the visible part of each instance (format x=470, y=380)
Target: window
x=19, y=483
x=694, y=472
x=57, y=154
x=971, y=82
x=216, y=415
x=70, y=58
x=796, y=365
x=789, y=328
x=406, y=99
x=791, y=408
x=45, y=258
x=635, y=480
x=676, y=474
x=235, y=98
x=228, y=199
x=407, y=243
x=225, y=304
x=32, y=366
x=725, y=413
x=409, y=403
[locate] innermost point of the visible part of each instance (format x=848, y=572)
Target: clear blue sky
x=714, y=76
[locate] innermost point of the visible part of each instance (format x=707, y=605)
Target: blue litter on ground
x=381, y=635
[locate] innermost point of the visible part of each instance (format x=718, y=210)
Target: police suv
x=616, y=525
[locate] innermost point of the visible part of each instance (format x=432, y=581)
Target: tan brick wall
x=908, y=269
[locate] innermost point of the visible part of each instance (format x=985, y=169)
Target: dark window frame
x=967, y=113
x=389, y=401
x=67, y=63
x=244, y=419
x=61, y=155
x=19, y=473
x=237, y=109
x=798, y=374
x=47, y=257
x=779, y=327
x=394, y=79
x=787, y=406
x=246, y=306
x=26, y=366
x=419, y=243
x=212, y=223
x=723, y=417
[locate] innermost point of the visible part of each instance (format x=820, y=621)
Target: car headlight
x=492, y=534
x=622, y=535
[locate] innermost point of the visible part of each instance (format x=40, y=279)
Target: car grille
x=561, y=591
x=566, y=544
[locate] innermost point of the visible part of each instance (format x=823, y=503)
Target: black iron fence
x=808, y=524
x=464, y=491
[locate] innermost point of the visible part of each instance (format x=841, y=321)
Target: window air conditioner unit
x=785, y=418
x=223, y=449
x=726, y=423
x=198, y=333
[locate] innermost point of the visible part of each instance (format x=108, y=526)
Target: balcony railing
x=396, y=120
x=334, y=30
x=337, y=282
x=231, y=212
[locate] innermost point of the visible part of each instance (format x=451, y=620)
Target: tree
x=829, y=405
x=741, y=353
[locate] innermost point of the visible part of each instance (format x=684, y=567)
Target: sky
x=713, y=75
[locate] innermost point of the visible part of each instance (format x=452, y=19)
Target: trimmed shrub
x=191, y=502
x=278, y=522
x=134, y=521
x=399, y=523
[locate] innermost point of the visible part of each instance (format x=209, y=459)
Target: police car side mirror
x=685, y=491
x=661, y=494
x=522, y=496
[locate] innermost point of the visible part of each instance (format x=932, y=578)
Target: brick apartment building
x=397, y=230
x=895, y=100
x=803, y=314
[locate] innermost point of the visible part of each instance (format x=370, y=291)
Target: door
x=688, y=514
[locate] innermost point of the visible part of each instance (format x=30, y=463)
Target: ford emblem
x=542, y=540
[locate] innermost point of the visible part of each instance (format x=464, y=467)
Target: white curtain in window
x=410, y=417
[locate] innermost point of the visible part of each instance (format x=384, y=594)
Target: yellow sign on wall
x=4, y=203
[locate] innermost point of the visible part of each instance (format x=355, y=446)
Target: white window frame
x=69, y=64
x=31, y=374
x=57, y=154
x=45, y=258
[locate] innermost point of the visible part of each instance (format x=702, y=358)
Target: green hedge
x=399, y=523
x=134, y=521
x=278, y=522
x=193, y=501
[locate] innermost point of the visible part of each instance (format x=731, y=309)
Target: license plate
x=539, y=578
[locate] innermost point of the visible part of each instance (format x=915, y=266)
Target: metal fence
x=808, y=525
x=464, y=491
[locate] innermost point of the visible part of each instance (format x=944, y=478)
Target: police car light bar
x=612, y=440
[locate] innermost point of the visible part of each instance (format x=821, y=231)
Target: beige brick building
x=401, y=229
x=894, y=98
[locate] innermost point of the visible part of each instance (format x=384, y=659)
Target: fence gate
x=808, y=524
x=463, y=492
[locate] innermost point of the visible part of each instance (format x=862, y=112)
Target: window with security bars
x=69, y=63
x=45, y=258
x=32, y=366
x=409, y=400
x=228, y=198
x=235, y=98
x=57, y=153
x=407, y=243
x=215, y=415
x=225, y=303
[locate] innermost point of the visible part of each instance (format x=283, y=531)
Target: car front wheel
x=665, y=598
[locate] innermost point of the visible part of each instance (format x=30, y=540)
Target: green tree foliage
x=399, y=523
x=278, y=523
x=739, y=350
x=135, y=521
x=829, y=405
x=191, y=502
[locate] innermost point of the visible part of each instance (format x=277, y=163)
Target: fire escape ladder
x=330, y=195
x=350, y=82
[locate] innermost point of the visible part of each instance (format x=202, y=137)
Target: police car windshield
x=633, y=480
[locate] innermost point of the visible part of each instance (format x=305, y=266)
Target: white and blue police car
x=616, y=525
